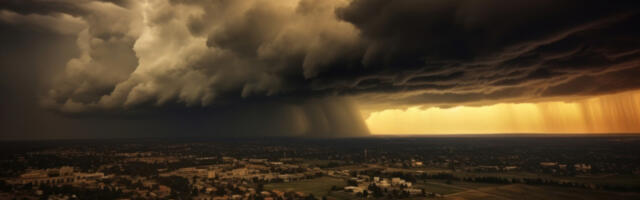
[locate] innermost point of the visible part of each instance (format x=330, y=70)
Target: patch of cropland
x=525, y=192
x=319, y=187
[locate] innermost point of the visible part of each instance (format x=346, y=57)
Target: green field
x=441, y=187
x=340, y=195
x=625, y=180
x=630, y=180
x=318, y=187
x=524, y=192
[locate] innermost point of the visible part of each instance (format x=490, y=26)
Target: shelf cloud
x=317, y=58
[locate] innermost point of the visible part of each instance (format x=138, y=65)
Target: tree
x=4, y=186
x=179, y=185
x=377, y=192
x=310, y=197
x=260, y=187
x=334, y=188
x=28, y=186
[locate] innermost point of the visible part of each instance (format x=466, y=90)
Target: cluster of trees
x=540, y=181
x=288, y=170
x=380, y=193
x=180, y=187
x=5, y=187
x=81, y=193
x=134, y=169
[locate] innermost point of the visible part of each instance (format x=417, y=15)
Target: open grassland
x=318, y=186
x=341, y=195
x=439, y=188
x=442, y=187
x=524, y=192
x=625, y=180
x=612, y=180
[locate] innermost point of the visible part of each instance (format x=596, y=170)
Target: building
x=240, y=172
x=354, y=189
x=415, y=163
x=582, y=167
x=548, y=164
x=211, y=174
x=89, y=176
x=510, y=168
x=397, y=181
x=62, y=175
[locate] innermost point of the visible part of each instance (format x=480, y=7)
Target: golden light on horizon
x=616, y=113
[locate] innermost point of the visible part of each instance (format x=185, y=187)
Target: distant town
x=295, y=168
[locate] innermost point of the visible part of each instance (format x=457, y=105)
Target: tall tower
x=365, y=155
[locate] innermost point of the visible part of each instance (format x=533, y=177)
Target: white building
x=62, y=175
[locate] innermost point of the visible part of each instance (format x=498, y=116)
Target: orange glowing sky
x=615, y=113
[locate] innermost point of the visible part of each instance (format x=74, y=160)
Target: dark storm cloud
x=492, y=50
x=40, y=7
x=305, y=56
x=166, y=66
x=604, y=83
x=52, y=7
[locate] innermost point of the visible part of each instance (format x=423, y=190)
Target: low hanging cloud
x=146, y=55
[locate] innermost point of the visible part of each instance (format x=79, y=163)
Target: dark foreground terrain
x=445, y=167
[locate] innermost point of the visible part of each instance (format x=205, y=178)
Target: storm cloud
x=305, y=62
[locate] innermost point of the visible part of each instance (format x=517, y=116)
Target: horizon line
x=434, y=135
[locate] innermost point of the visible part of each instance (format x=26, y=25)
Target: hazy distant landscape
x=438, y=167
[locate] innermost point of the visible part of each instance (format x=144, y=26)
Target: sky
x=319, y=68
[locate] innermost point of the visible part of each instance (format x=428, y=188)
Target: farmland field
x=441, y=187
x=318, y=187
x=523, y=192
